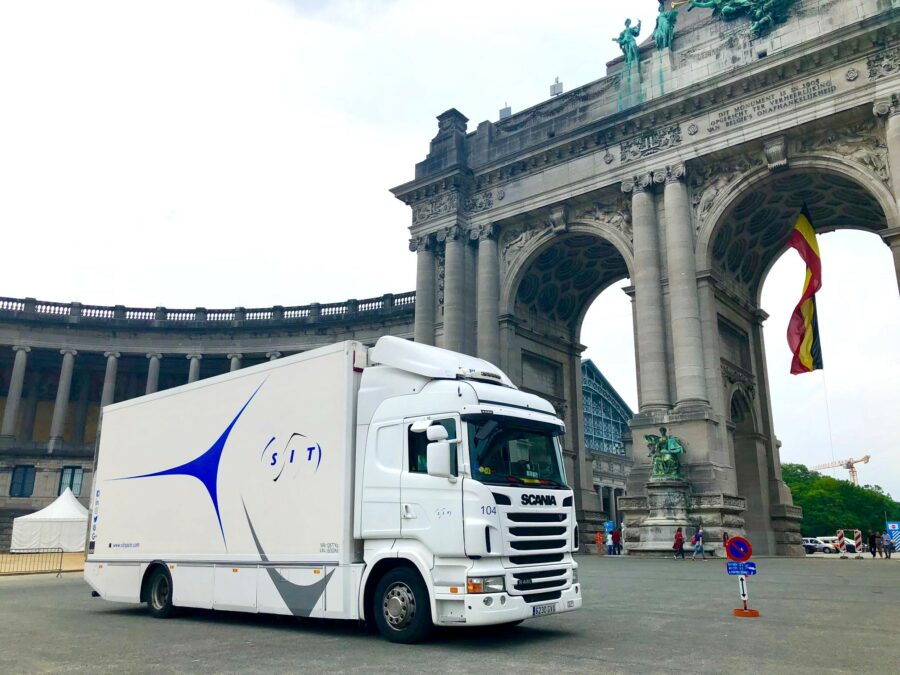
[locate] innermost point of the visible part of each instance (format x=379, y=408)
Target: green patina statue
x=627, y=42
x=764, y=14
x=664, y=33
x=664, y=450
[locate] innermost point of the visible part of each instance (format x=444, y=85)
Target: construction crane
x=849, y=464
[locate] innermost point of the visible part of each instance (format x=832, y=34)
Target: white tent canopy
x=61, y=524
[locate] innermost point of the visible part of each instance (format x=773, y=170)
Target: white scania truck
x=402, y=484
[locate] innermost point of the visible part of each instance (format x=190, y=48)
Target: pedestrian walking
x=609, y=543
x=598, y=541
x=888, y=545
x=873, y=547
x=678, y=545
x=617, y=541
x=879, y=542
x=697, y=540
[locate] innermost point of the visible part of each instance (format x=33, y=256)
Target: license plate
x=541, y=610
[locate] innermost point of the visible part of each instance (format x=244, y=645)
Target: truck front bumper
x=496, y=608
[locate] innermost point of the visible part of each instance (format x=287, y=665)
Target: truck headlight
x=485, y=584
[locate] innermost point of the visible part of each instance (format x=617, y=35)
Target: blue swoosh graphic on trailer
x=205, y=468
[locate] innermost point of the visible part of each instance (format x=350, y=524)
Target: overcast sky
x=219, y=153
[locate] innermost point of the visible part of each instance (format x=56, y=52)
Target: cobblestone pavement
x=640, y=616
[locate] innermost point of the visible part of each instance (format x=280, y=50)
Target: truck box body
x=401, y=483
x=255, y=465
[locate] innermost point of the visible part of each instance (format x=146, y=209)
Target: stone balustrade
x=30, y=309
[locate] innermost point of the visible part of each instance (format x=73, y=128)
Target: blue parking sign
x=741, y=568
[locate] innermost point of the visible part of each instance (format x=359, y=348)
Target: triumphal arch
x=683, y=170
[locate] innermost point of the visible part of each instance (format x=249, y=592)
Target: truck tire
x=159, y=593
x=401, y=606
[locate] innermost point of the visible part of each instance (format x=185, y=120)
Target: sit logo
x=287, y=460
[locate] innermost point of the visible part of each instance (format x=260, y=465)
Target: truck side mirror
x=438, y=460
x=437, y=432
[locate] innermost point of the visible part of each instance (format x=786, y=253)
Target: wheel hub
x=399, y=606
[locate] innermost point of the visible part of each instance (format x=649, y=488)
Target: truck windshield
x=513, y=451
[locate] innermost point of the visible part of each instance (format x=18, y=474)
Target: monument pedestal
x=666, y=509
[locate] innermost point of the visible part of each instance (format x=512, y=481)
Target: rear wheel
x=401, y=606
x=159, y=593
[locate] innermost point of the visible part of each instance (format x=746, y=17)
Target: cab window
x=418, y=447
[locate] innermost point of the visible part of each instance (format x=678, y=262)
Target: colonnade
x=690, y=386
x=13, y=409
x=471, y=267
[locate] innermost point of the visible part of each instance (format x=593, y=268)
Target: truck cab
x=461, y=482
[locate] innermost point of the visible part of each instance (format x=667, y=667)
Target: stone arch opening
x=736, y=252
x=754, y=228
x=547, y=295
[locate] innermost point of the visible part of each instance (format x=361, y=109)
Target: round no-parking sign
x=738, y=549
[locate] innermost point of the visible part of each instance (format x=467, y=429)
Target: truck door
x=431, y=506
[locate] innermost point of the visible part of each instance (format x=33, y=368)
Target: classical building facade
x=606, y=437
x=683, y=170
x=60, y=362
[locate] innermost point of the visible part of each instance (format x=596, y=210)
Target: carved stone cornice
x=485, y=231
x=483, y=201
x=886, y=107
x=423, y=243
x=558, y=220
x=451, y=233
x=775, y=150
x=709, y=179
x=861, y=142
x=617, y=214
x=639, y=183
x=675, y=173
x=444, y=204
x=732, y=374
x=884, y=63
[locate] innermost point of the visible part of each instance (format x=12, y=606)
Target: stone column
x=425, y=291
x=650, y=333
x=14, y=397
x=194, y=369
x=470, y=282
x=152, y=373
x=109, y=379
x=61, y=407
x=29, y=410
x=488, y=301
x=81, y=408
x=895, y=250
x=888, y=109
x=235, y=361
x=687, y=342
x=454, y=289
x=273, y=355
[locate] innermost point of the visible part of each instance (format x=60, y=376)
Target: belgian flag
x=803, y=329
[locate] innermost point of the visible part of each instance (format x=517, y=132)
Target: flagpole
x=828, y=415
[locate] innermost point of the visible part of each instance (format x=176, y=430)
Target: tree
x=830, y=504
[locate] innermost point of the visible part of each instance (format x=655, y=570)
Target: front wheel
x=401, y=606
x=159, y=593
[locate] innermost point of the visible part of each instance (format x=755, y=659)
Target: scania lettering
x=539, y=500
x=401, y=485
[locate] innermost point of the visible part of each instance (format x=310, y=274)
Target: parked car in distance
x=818, y=545
x=849, y=545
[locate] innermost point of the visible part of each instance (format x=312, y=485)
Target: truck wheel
x=159, y=593
x=401, y=607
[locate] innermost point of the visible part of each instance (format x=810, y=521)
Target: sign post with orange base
x=739, y=551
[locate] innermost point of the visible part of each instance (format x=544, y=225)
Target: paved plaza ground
x=640, y=616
